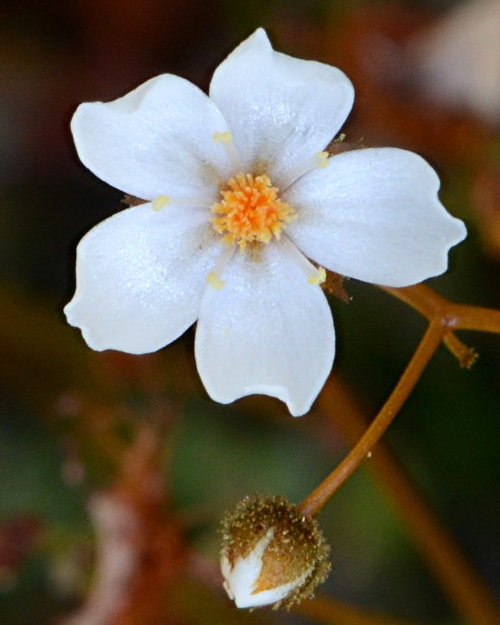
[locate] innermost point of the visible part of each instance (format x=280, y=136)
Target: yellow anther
x=160, y=202
x=340, y=138
x=250, y=211
x=222, y=137
x=321, y=159
x=319, y=278
x=214, y=281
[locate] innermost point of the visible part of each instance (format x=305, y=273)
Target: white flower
x=271, y=553
x=238, y=193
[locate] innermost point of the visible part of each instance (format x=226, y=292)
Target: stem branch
x=457, y=316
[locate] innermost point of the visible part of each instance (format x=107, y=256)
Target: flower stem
x=456, y=316
x=426, y=348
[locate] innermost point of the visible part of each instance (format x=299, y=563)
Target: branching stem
x=464, y=588
x=457, y=316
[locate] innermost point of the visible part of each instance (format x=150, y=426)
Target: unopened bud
x=271, y=553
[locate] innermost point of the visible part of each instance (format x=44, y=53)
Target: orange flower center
x=250, y=210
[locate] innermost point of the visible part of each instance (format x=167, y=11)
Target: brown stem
x=475, y=318
x=457, y=316
x=464, y=588
x=426, y=348
x=465, y=355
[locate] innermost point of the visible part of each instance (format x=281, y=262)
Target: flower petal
x=266, y=331
x=155, y=140
x=281, y=110
x=374, y=215
x=241, y=579
x=140, y=278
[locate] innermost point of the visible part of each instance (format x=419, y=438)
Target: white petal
x=140, y=277
x=374, y=215
x=266, y=331
x=156, y=140
x=241, y=578
x=281, y=110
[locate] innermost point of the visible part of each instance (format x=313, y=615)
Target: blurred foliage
x=67, y=415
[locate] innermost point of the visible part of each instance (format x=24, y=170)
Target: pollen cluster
x=250, y=210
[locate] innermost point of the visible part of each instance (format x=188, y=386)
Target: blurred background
x=81, y=432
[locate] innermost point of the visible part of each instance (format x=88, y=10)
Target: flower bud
x=271, y=553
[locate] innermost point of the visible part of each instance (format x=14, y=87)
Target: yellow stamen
x=319, y=278
x=214, y=281
x=322, y=159
x=250, y=211
x=226, y=139
x=222, y=137
x=160, y=202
